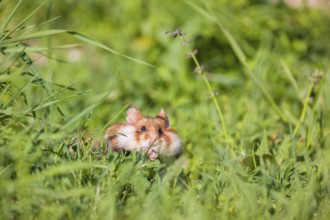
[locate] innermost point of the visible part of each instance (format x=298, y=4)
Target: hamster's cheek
x=126, y=138
x=127, y=142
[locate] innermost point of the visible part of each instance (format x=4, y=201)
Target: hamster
x=150, y=135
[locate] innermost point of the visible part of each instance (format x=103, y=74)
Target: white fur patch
x=174, y=147
x=126, y=138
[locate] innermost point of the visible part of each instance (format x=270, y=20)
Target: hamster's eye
x=160, y=131
x=143, y=128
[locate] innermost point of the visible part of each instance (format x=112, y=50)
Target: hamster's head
x=149, y=130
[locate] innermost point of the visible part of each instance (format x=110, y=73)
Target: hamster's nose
x=153, y=156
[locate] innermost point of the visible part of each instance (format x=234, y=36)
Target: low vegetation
x=244, y=83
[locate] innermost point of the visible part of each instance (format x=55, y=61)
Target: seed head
x=193, y=53
x=199, y=69
x=175, y=33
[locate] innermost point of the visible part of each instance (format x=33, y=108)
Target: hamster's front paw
x=153, y=156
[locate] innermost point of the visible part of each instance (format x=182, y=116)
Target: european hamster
x=150, y=135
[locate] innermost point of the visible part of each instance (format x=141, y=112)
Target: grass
x=200, y=70
x=60, y=89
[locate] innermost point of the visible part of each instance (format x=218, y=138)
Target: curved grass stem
x=304, y=110
x=200, y=70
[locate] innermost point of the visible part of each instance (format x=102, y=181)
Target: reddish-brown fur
x=148, y=133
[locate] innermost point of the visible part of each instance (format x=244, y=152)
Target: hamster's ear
x=133, y=115
x=162, y=115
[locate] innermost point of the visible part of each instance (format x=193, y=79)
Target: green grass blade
x=23, y=21
x=41, y=106
x=35, y=35
x=113, y=118
x=241, y=56
x=289, y=74
x=200, y=10
x=104, y=47
x=51, y=32
x=56, y=170
x=10, y=17
x=12, y=98
x=27, y=48
x=79, y=116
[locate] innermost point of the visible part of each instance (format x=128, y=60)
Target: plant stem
x=303, y=112
x=208, y=85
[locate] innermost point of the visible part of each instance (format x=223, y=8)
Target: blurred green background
x=285, y=49
x=267, y=33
